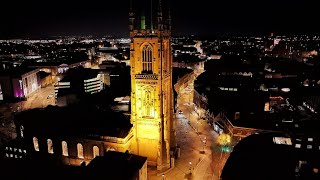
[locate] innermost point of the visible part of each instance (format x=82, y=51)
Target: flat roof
x=116, y=165
x=76, y=120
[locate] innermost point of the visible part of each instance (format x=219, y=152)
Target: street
x=40, y=99
x=195, y=138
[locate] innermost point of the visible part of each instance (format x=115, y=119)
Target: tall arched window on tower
x=147, y=59
x=50, y=146
x=80, y=150
x=35, y=144
x=64, y=148
x=95, y=151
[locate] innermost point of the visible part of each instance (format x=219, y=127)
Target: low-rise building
x=118, y=165
x=76, y=82
x=74, y=134
x=19, y=82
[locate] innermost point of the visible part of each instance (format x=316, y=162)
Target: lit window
x=21, y=131
x=282, y=140
x=20, y=150
x=50, y=146
x=7, y=154
x=95, y=151
x=310, y=139
x=298, y=146
x=35, y=144
x=80, y=150
x=65, y=148
x=309, y=146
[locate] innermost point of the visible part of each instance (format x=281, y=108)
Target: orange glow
x=223, y=139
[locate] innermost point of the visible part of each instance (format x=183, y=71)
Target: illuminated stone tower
x=151, y=82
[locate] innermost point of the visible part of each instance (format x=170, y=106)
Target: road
x=195, y=138
x=37, y=100
x=41, y=99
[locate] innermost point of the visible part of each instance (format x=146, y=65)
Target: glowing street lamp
x=190, y=167
x=197, y=125
x=204, y=144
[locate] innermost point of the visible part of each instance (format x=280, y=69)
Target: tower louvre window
x=147, y=59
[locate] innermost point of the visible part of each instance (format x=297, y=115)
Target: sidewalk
x=190, y=140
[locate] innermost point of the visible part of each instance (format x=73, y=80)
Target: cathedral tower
x=151, y=81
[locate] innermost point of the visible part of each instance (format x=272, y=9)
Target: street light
x=204, y=143
x=162, y=176
x=197, y=125
x=190, y=166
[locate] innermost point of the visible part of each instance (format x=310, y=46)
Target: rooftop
x=80, y=74
x=17, y=72
x=76, y=120
x=259, y=157
x=116, y=165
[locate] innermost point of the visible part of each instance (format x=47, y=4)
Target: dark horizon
x=60, y=18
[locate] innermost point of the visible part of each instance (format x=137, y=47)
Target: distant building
x=77, y=82
x=56, y=68
x=231, y=103
x=19, y=82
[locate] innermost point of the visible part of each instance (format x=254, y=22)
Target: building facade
x=151, y=84
x=66, y=134
x=20, y=83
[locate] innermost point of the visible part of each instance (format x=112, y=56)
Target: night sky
x=33, y=18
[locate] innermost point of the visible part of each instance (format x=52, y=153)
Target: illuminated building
x=73, y=135
x=76, y=82
x=20, y=83
x=151, y=83
x=57, y=68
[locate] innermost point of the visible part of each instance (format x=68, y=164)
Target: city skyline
x=38, y=19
